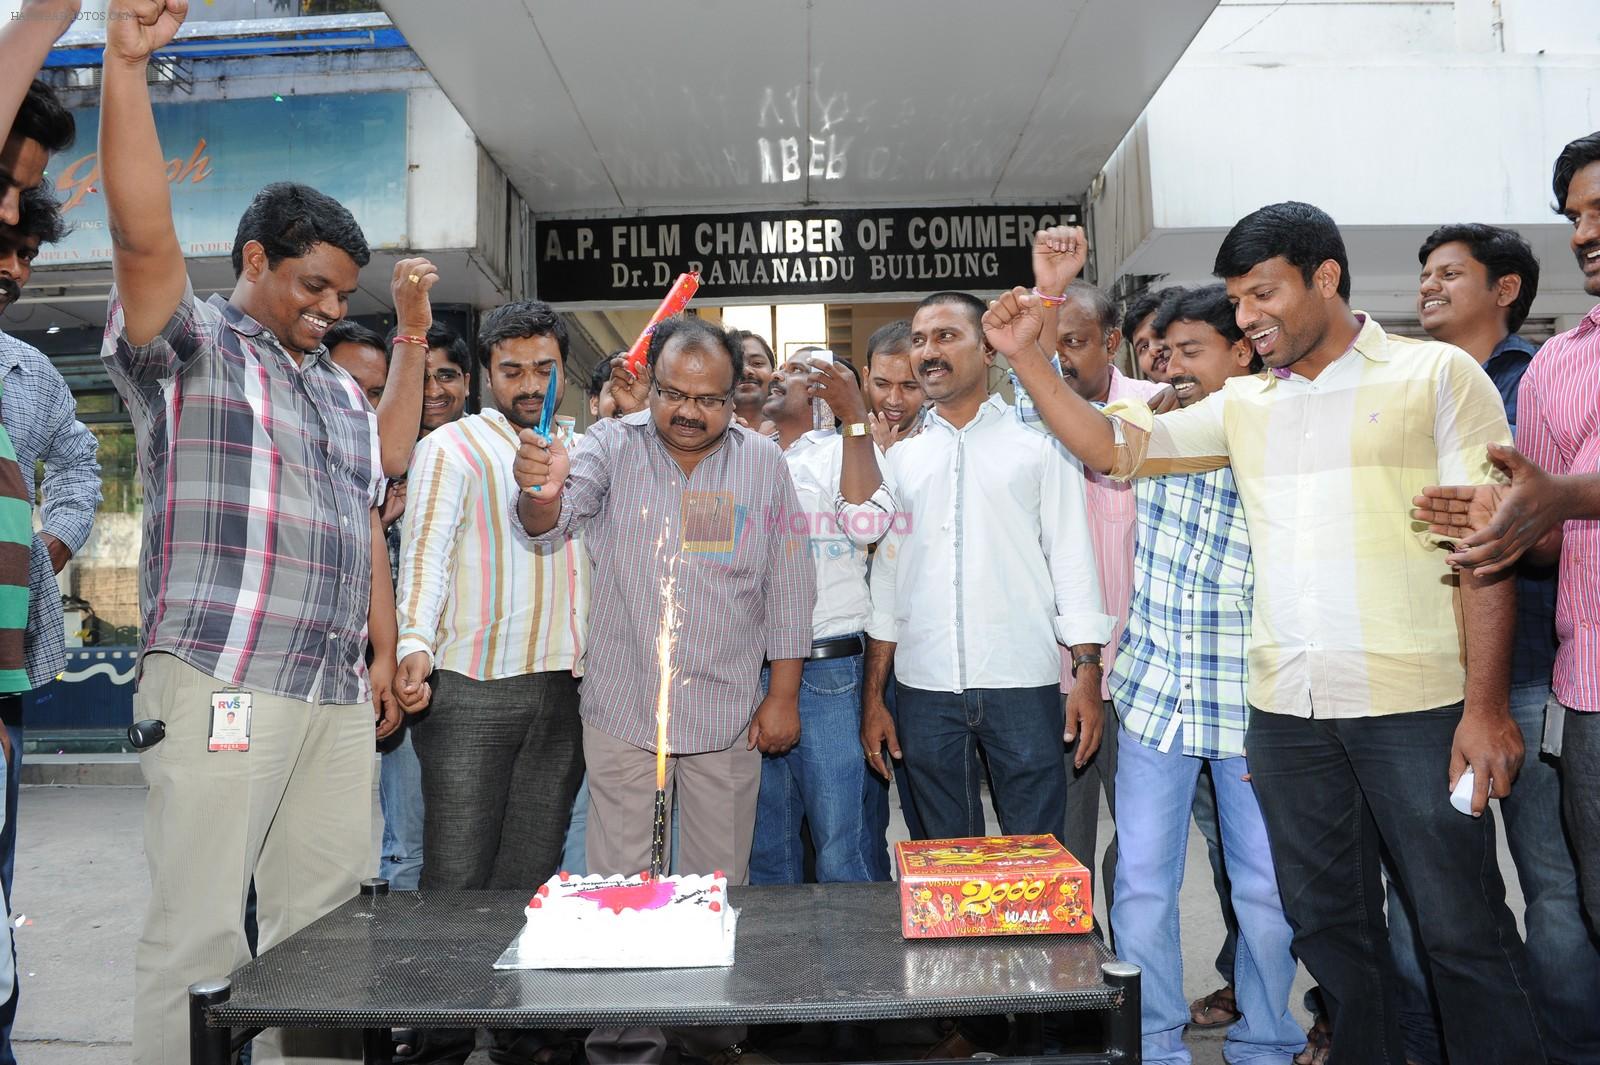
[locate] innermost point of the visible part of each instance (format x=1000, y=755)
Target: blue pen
x=548, y=412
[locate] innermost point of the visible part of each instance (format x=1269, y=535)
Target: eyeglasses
x=442, y=378
x=677, y=398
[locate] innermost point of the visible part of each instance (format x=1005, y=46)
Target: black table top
x=821, y=952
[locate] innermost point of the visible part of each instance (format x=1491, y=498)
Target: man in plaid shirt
x=263, y=568
x=1178, y=684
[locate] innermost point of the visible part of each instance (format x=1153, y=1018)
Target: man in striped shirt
x=1552, y=510
x=679, y=491
x=1363, y=716
x=499, y=627
x=1476, y=287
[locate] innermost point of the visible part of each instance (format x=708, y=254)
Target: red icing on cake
x=534, y=903
x=565, y=876
x=719, y=874
x=716, y=907
x=715, y=888
x=544, y=889
x=650, y=895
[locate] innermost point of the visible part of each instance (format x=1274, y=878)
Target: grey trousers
x=501, y=763
x=1082, y=835
x=1580, y=803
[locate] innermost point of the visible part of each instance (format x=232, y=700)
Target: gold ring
x=416, y=278
x=867, y=755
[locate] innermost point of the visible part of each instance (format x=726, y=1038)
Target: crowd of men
x=1292, y=581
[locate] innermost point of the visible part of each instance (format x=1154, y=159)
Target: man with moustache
x=990, y=504
x=1363, y=717
x=844, y=510
x=894, y=397
x=1179, y=689
x=40, y=416
x=750, y=394
x=263, y=570
x=1551, y=511
x=1150, y=351
x=679, y=490
x=500, y=629
x=1476, y=287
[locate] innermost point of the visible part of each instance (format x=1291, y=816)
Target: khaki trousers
x=716, y=824
x=716, y=794
x=293, y=812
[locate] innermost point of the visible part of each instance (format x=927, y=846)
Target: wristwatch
x=1089, y=658
x=854, y=429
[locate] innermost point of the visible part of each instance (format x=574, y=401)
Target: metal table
x=819, y=952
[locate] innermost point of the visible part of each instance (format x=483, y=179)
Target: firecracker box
x=991, y=886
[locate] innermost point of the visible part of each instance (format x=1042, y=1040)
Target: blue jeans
x=1206, y=820
x=819, y=782
x=1335, y=794
x=1155, y=795
x=1563, y=961
x=1020, y=731
x=400, y=796
x=575, y=852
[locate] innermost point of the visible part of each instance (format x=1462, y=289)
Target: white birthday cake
x=628, y=922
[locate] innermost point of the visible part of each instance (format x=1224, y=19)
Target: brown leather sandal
x=1216, y=1010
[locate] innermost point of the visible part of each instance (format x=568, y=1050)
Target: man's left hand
x=1491, y=743
x=60, y=553
x=384, y=705
x=1085, y=715
x=776, y=726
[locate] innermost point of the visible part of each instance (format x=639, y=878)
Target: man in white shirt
x=844, y=508
x=990, y=572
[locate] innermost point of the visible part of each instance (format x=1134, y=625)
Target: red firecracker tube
x=677, y=298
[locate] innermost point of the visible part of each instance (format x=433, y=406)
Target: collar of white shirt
x=993, y=407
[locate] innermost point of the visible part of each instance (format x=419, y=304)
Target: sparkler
x=666, y=639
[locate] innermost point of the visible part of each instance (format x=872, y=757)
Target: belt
x=838, y=647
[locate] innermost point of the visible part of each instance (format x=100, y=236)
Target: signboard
x=812, y=254
x=221, y=152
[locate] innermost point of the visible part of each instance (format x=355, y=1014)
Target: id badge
x=230, y=721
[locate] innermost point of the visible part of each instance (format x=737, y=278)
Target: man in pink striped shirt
x=1552, y=509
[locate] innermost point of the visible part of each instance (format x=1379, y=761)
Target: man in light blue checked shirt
x=1178, y=684
x=41, y=417
x=1179, y=687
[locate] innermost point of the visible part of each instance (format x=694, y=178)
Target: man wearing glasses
x=679, y=490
